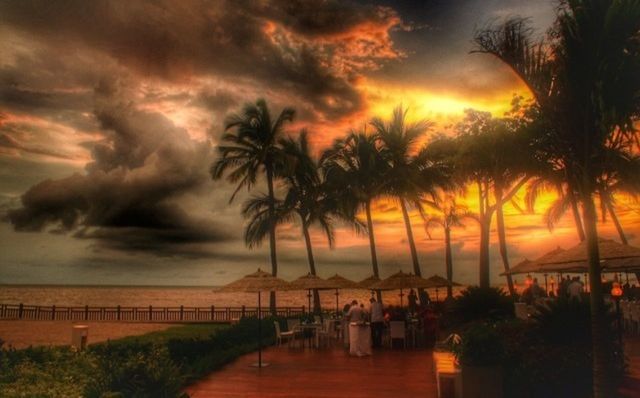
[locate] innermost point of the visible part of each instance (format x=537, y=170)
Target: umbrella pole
x=437, y=295
x=309, y=299
x=259, y=364
x=401, y=298
x=337, y=294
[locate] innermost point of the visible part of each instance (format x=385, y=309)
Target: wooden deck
x=323, y=373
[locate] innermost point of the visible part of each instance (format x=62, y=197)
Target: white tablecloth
x=359, y=339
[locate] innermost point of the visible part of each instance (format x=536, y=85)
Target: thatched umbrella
x=527, y=266
x=439, y=281
x=401, y=280
x=256, y=283
x=310, y=282
x=609, y=250
x=340, y=282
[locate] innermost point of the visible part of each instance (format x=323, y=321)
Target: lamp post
x=546, y=285
x=616, y=293
x=553, y=282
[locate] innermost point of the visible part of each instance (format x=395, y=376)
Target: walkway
x=325, y=373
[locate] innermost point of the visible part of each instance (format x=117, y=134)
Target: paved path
x=323, y=373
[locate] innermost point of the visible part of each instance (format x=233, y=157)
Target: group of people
x=375, y=315
x=378, y=318
x=570, y=287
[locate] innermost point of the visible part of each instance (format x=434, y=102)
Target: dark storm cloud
x=275, y=43
x=128, y=197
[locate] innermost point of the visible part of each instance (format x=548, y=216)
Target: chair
x=292, y=323
x=521, y=311
x=280, y=336
x=317, y=319
x=397, y=330
x=325, y=334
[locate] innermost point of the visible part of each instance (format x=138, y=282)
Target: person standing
x=575, y=289
x=377, y=323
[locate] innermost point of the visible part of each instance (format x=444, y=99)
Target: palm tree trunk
x=372, y=246
x=600, y=338
x=616, y=222
x=272, y=238
x=312, y=266
x=412, y=243
x=502, y=240
x=576, y=213
x=448, y=260
x=424, y=297
x=485, y=226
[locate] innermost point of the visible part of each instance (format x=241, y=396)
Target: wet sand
x=22, y=334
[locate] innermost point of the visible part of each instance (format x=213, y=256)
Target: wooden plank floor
x=294, y=372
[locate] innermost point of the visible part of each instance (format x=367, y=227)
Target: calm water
x=172, y=296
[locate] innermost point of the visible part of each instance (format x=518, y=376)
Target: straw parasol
x=527, y=266
x=340, y=282
x=439, y=281
x=256, y=283
x=310, y=282
x=401, y=280
x=366, y=283
x=609, y=250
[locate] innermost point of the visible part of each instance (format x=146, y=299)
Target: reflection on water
x=175, y=296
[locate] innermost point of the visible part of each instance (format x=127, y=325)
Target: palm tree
x=308, y=197
x=492, y=153
x=355, y=171
x=410, y=173
x=586, y=80
x=450, y=215
x=248, y=150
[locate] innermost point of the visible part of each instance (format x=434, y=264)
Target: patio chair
x=325, y=334
x=280, y=336
x=397, y=331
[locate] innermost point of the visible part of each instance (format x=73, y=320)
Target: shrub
x=481, y=345
x=479, y=304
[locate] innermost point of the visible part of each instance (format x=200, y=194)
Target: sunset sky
x=110, y=113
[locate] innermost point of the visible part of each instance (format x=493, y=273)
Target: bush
x=155, y=365
x=481, y=345
x=479, y=304
x=551, y=356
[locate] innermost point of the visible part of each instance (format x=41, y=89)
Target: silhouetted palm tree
x=450, y=216
x=308, y=197
x=586, y=81
x=410, y=175
x=355, y=170
x=249, y=149
x=493, y=155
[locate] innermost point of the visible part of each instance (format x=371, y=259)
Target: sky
x=110, y=113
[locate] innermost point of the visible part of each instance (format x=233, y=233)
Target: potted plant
x=480, y=354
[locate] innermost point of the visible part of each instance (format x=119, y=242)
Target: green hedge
x=154, y=365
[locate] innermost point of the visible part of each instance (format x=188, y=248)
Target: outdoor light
x=616, y=291
x=528, y=281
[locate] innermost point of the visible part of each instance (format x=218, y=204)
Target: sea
x=174, y=296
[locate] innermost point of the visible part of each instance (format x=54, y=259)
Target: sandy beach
x=22, y=334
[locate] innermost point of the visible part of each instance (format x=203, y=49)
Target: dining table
x=311, y=330
x=360, y=339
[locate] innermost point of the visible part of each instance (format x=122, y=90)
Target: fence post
x=135, y=313
x=212, y=316
x=243, y=312
x=38, y=312
x=53, y=312
x=181, y=312
x=150, y=313
x=20, y=310
x=118, y=313
x=228, y=314
x=86, y=312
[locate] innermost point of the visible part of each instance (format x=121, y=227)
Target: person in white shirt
x=356, y=314
x=575, y=289
x=377, y=323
